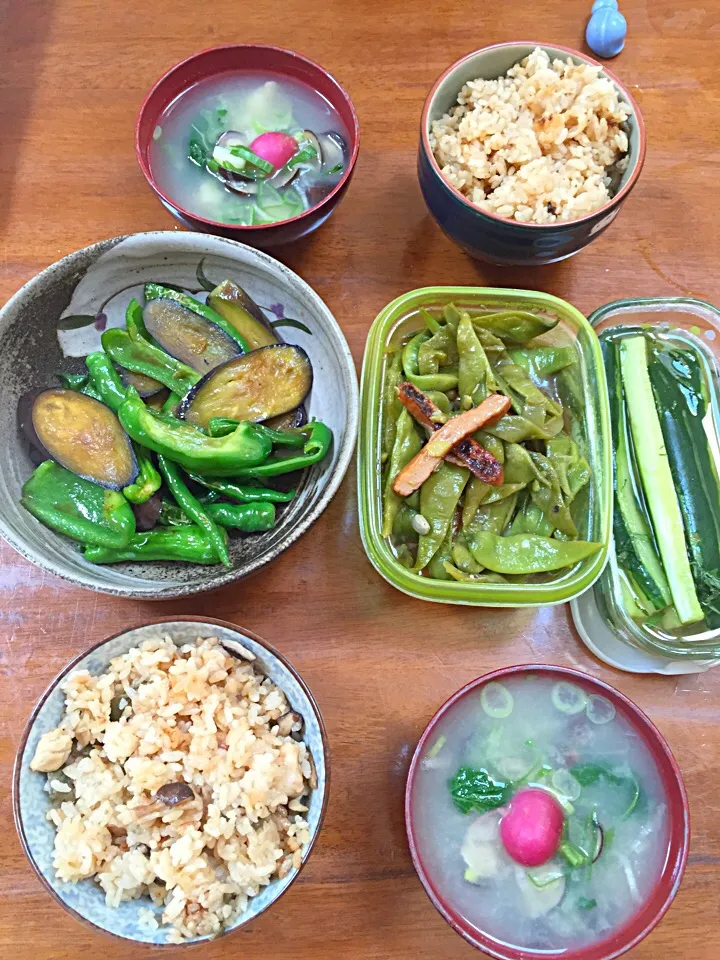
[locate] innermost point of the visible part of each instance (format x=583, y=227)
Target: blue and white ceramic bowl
x=85, y=900
x=488, y=236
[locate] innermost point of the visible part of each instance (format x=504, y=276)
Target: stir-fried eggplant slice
x=145, y=386
x=232, y=303
x=289, y=421
x=187, y=336
x=262, y=384
x=84, y=436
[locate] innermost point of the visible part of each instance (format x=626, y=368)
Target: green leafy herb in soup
x=484, y=478
x=540, y=814
x=248, y=149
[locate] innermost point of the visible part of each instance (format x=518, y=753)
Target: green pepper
x=105, y=379
x=548, y=496
x=515, y=326
x=318, y=438
x=179, y=543
x=148, y=480
x=439, y=497
x=193, y=508
x=143, y=357
x=135, y=324
x=183, y=443
x=435, y=381
x=80, y=383
x=475, y=376
x=543, y=362
x=407, y=444
x=222, y=426
x=78, y=508
x=247, y=517
x=154, y=291
x=527, y=553
x=391, y=404
x=243, y=494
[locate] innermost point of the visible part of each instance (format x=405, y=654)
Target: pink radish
x=277, y=148
x=532, y=828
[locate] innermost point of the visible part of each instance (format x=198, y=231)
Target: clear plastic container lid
x=687, y=324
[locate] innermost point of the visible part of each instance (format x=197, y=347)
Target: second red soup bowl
x=438, y=856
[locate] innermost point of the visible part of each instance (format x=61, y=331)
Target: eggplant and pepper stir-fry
x=666, y=522
x=481, y=473
x=186, y=425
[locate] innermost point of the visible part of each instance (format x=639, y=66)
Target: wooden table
x=72, y=77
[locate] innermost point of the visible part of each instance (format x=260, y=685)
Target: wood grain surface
x=72, y=76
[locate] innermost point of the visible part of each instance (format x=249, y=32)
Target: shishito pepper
x=318, y=438
x=243, y=493
x=163, y=543
x=78, y=508
x=246, y=517
x=236, y=454
x=190, y=505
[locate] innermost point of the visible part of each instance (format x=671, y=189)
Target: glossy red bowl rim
x=641, y=721
x=612, y=202
x=64, y=673
x=182, y=65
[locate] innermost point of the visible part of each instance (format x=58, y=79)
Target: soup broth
x=529, y=736
x=249, y=149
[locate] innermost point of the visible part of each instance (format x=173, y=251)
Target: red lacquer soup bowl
x=659, y=897
x=247, y=58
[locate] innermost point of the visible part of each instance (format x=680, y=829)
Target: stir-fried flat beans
x=482, y=474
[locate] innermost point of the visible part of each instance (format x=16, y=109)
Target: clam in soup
x=540, y=815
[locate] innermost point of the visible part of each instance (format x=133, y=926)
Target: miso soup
x=540, y=814
x=249, y=149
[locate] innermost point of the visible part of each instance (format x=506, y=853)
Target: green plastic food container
x=584, y=390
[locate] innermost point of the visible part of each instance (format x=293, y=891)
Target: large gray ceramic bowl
x=100, y=280
x=85, y=900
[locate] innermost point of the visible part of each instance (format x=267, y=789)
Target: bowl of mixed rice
x=172, y=781
x=528, y=151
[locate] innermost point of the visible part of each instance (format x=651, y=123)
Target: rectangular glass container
x=687, y=323
x=583, y=388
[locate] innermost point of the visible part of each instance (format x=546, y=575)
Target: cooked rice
x=538, y=144
x=198, y=716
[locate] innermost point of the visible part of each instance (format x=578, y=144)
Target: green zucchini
x=635, y=548
x=677, y=384
x=656, y=477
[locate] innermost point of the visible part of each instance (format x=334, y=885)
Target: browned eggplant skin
x=145, y=386
x=187, y=336
x=85, y=437
x=239, y=309
x=260, y=385
x=289, y=421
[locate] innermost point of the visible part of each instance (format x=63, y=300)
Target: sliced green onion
x=635, y=798
x=566, y=784
x=600, y=710
x=246, y=154
x=496, y=700
x=545, y=881
x=567, y=698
